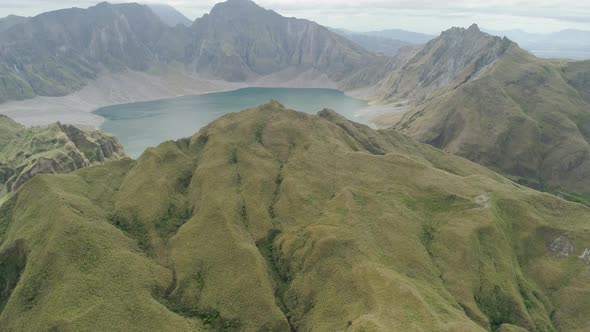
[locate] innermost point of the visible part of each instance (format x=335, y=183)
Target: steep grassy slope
x=526, y=117
x=26, y=152
x=9, y=129
x=270, y=219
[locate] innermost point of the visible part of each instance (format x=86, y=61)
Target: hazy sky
x=430, y=16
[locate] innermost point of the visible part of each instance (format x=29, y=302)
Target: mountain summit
x=457, y=53
x=502, y=107
x=240, y=40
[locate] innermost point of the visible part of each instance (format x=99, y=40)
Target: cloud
x=421, y=15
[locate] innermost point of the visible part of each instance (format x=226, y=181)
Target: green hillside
x=271, y=219
x=57, y=148
x=484, y=98
x=526, y=117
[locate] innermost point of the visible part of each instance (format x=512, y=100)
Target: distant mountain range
x=387, y=42
x=170, y=15
x=415, y=38
x=570, y=44
x=57, y=53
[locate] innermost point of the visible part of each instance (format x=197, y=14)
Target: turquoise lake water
x=146, y=124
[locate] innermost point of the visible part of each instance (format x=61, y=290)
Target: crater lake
x=146, y=124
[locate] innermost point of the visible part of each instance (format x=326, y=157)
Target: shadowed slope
x=271, y=219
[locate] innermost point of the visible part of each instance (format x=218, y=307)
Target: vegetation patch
x=428, y=235
x=135, y=230
x=258, y=131
x=211, y=318
x=281, y=280
x=174, y=218
x=497, y=305
x=573, y=197
x=12, y=263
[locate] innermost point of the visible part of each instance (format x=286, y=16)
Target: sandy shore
x=110, y=89
x=130, y=87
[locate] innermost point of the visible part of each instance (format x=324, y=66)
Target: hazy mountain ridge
x=10, y=20
x=57, y=148
x=56, y=53
x=374, y=43
x=239, y=40
x=411, y=37
x=170, y=15
x=274, y=219
x=570, y=43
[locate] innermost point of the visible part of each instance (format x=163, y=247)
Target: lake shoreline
x=145, y=124
x=132, y=86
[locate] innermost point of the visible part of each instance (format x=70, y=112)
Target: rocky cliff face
x=239, y=40
x=56, y=53
x=456, y=56
x=53, y=149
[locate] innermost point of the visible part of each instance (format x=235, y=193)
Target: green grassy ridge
x=284, y=220
x=57, y=148
x=524, y=117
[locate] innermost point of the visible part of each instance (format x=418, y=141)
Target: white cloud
x=420, y=15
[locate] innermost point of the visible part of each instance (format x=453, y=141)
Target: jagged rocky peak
x=473, y=28
x=455, y=57
x=468, y=35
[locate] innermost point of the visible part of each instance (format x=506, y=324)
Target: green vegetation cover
x=484, y=98
x=57, y=148
x=271, y=219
